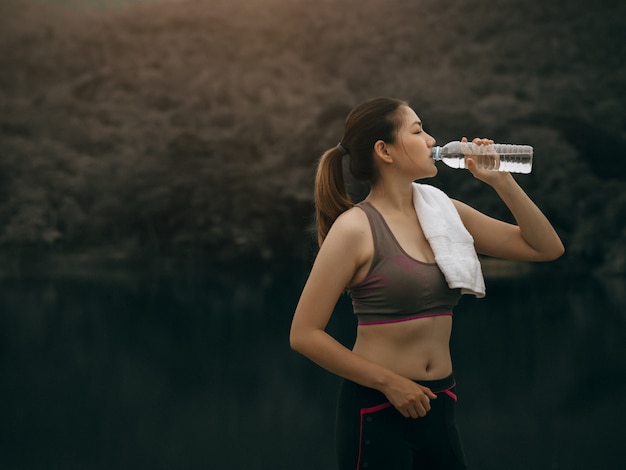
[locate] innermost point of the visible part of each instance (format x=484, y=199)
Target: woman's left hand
x=490, y=177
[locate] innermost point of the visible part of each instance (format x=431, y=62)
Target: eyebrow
x=418, y=123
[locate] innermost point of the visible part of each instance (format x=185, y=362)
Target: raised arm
x=532, y=239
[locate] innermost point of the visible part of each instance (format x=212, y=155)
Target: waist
x=439, y=385
x=415, y=349
x=375, y=397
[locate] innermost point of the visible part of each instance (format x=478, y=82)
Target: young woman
x=396, y=404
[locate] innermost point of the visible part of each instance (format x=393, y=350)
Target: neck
x=393, y=197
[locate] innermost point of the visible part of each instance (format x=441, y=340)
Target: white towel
x=450, y=241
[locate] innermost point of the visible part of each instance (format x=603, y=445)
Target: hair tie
x=342, y=149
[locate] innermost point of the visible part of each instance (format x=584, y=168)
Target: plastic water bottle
x=501, y=157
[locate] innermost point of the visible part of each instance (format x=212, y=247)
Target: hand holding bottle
x=484, y=173
x=486, y=154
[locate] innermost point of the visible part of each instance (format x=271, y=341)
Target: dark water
x=193, y=370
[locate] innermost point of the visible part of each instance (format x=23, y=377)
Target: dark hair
x=371, y=121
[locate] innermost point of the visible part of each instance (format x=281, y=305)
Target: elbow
x=561, y=252
x=554, y=254
x=293, y=342
x=303, y=340
x=296, y=341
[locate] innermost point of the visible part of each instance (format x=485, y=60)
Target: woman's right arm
x=339, y=258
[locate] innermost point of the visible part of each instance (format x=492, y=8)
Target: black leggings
x=370, y=433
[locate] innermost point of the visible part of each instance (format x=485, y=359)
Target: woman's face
x=413, y=148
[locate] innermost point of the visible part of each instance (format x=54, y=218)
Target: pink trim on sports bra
x=398, y=320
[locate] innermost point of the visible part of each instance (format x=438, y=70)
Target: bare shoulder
x=460, y=206
x=468, y=214
x=348, y=246
x=350, y=236
x=352, y=223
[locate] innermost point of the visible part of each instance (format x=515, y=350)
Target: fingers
x=410, y=399
x=425, y=401
x=471, y=164
x=429, y=393
x=419, y=406
x=478, y=141
x=425, y=406
x=415, y=411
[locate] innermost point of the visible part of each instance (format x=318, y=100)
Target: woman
x=396, y=404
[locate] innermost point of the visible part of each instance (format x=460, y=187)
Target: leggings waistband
x=438, y=385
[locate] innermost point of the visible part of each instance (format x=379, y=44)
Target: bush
x=184, y=126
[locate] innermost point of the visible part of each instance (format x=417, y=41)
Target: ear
x=381, y=151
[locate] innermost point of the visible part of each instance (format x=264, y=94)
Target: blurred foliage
x=194, y=127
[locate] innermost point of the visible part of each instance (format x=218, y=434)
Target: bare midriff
x=417, y=349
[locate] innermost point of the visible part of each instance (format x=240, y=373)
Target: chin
x=428, y=173
x=433, y=172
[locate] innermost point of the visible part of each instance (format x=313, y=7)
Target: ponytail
x=331, y=196
x=373, y=120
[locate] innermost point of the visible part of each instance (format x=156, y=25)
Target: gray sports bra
x=397, y=286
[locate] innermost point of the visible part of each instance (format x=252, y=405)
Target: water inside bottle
x=487, y=162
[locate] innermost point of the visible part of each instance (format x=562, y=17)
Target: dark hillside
x=194, y=127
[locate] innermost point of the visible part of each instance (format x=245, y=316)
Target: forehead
x=410, y=117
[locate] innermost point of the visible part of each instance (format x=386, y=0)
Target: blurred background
x=156, y=223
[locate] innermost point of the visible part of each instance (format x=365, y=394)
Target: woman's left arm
x=532, y=239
